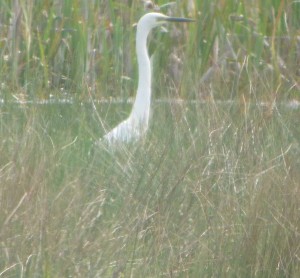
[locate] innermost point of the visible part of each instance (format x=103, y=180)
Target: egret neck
x=141, y=106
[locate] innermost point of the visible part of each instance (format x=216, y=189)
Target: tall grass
x=210, y=194
x=211, y=191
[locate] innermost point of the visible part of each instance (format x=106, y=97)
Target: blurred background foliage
x=244, y=49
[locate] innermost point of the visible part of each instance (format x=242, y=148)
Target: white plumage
x=136, y=125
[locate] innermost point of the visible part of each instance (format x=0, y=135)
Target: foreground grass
x=212, y=191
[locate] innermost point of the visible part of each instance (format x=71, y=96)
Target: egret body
x=136, y=125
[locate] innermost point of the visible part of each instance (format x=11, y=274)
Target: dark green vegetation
x=213, y=189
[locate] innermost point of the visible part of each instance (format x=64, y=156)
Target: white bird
x=136, y=125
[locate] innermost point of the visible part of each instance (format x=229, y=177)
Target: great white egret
x=136, y=125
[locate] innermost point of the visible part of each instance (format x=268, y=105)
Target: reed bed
x=211, y=191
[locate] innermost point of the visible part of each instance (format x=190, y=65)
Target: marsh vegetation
x=211, y=191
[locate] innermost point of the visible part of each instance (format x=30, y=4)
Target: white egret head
x=151, y=20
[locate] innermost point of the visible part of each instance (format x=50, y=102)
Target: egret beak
x=178, y=19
